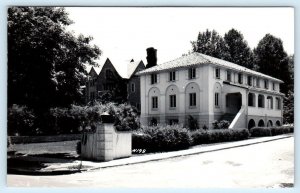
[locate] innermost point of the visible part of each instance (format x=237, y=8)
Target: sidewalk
x=90, y=165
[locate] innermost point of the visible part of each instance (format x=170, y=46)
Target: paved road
x=269, y=164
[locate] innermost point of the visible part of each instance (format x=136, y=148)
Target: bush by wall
x=223, y=124
x=270, y=131
x=20, y=121
x=161, y=138
x=170, y=138
x=218, y=135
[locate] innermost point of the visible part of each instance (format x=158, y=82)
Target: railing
x=239, y=119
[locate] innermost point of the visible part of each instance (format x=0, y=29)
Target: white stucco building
x=209, y=89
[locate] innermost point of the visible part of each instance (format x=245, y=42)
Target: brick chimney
x=151, y=57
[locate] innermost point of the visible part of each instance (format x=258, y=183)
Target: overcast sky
x=125, y=33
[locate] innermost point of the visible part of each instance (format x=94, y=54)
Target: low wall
x=41, y=139
x=106, y=143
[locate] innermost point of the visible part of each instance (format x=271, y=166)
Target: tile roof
x=197, y=59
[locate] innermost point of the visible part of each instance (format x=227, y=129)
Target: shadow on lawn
x=34, y=164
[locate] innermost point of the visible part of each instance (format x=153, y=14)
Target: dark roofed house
x=133, y=86
x=109, y=85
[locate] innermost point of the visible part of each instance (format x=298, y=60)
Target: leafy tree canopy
x=45, y=61
x=271, y=59
x=212, y=44
x=239, y=51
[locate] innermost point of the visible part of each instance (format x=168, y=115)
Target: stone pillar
x=98, y=145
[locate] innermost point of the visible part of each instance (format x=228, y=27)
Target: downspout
x=246, y=113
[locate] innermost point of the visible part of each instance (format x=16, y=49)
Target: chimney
x=151, y=57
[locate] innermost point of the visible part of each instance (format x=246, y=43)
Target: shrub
x=223, y=124
x=20, y=121
x=82, y=117
x=260, y=131
x=219, y=135
x=159, y=138
x=192, y=123
x=270, y=131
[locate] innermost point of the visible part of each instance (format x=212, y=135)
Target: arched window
x=251, y=100
x=270, y=123
x=278, y=103
x=217, y=95
x=261, y=101
x=278, y=123
x=261, y=123
x=269, y=102
x=154, y=100
x=192, y=96
x=172, y=98
x=251, y=124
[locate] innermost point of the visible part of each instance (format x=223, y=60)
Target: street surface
x=263, y=165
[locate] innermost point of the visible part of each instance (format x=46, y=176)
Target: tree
x=239, y=51
x=45, y=61
x=288, y=102
x=288, y=108
x=212, y=44
x=271, y=59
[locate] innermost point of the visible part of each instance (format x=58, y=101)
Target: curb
x=182, y=153
x=146, y=158
x=42, y=173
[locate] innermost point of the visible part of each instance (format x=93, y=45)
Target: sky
x=123, y=34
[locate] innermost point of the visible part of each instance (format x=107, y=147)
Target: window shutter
x=149, y=78
x=197, y=71
x=177, y=75
x=157, y=78
x=187, y=74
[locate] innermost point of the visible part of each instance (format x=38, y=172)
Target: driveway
x=269, y=164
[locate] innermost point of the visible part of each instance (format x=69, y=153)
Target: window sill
x=192, y=107
x=172, y=108
x=154, y=109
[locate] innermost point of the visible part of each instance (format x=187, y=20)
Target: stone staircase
x=228, y=117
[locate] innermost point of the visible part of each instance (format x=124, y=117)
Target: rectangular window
x=249, y=80
x=266, y=84
x=218, y=73
x=192, y=99
x=240, y=78
x=258, y=83
x=132, y=87
x=192, y=73
x=228, y=75
x=172, y=101
x=172, y=76
x=216, y=99
x=278, y=104
x=154, y=102
x=153, y=78
x=274, y=86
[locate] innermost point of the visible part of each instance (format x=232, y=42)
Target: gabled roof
x=132, y=67
x=198, y=59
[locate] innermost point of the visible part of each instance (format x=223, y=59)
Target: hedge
x=270, y=131
x=171, y=138
x=219, y=135
x=159, y=138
